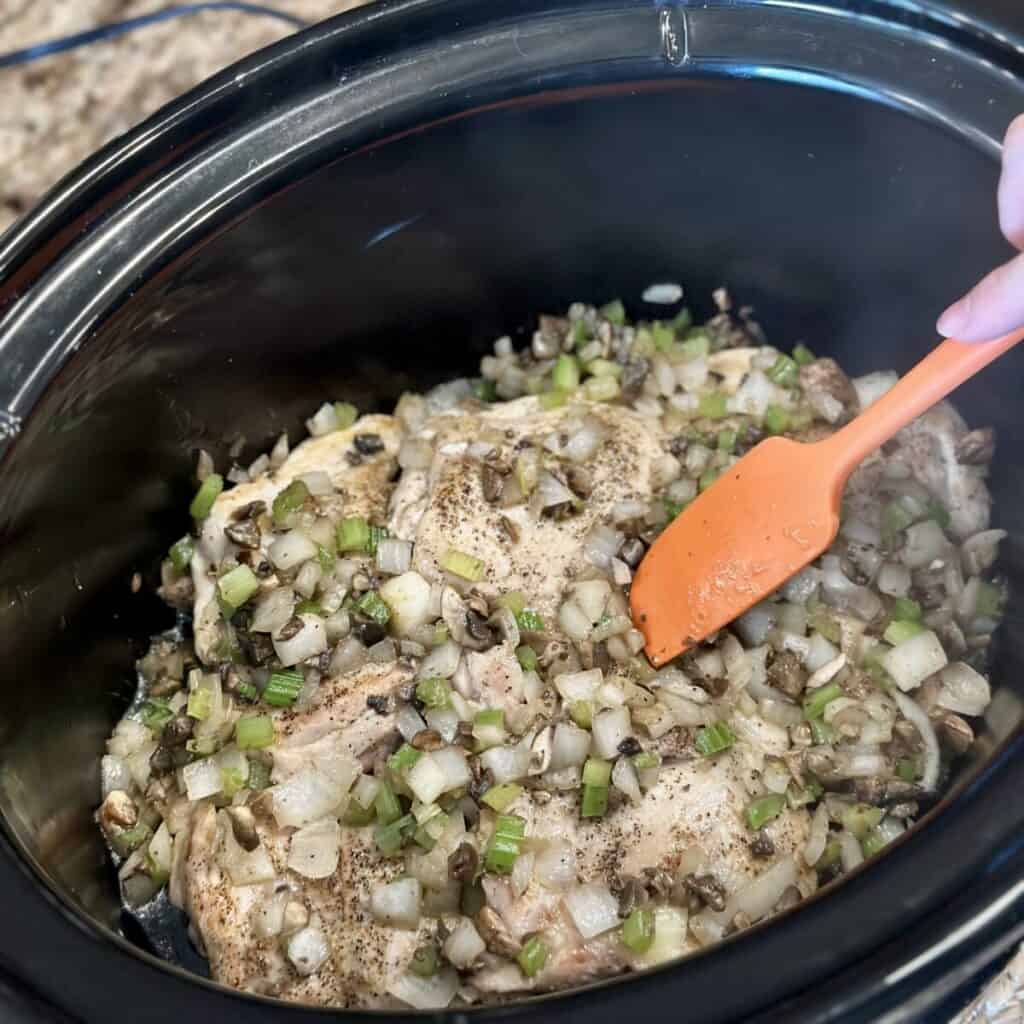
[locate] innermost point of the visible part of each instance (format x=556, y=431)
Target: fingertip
x=955, y=319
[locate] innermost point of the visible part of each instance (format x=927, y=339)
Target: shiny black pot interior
x=388, y=256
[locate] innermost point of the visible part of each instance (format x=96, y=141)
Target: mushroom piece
x=465, y=625
x=732, y=365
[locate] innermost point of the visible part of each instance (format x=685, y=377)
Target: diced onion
x=551, y=491
x=754, y=625
x=601, y=545
x=574, y=621
x=555, y=866
x=317, y=482
x=397, y=903
x=592, y=596
x=290, y=550
x=819, y=652
x=593, y=909
x=850, y=852
x=963, y=690
x=394, y=556
x=817, y=837
x=911, y=662
x=585, y=442
x=758, y=898
x=506, y=764
x=114, y=774
x=202, y=778
x=925, y=543
x=244, y=867
x=426, y=779
x=308, y=950
x=915, y=714
x=408, y=597
x=314, y=849
x=323, y=421
x=872, y=386
x=445, y=721
x=433, y=993
x=625, y=780
x=349, y=655
x=464, y=946
x=409, y=722
x=272, y=610
x=570, y=746
x=522, y=872
x=305, y=797
x=894, y=579
x=574, y=686
x=452, y=762
x=610, y=728
x=441, y=662
x=308, y=642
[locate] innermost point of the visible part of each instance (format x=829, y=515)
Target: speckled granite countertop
x=58, y=110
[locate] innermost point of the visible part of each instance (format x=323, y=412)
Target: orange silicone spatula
x=775, y=511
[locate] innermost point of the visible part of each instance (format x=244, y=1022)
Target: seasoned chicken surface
x=411, y=753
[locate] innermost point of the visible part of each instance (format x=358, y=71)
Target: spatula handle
x=945, y=368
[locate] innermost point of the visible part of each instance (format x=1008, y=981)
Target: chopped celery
x=727, y=441
x=601, y=389
x=231, y=781
x=289, y=501
x=309, y=607
x=712, y=405
x=553, y=399
x=283, y=688
x=906, y=769
x=434, y=692
x=513, y=601
x=672, y=508
x=503, y=848
x=614, y=311
x=646, y=760
x=403, y=759
x=181, y=553
x=259, y=775
x=682, y=321
x=131, y=839
x=776, y=419
x=373, y=606
x=604, y=368
x=695, y=346
x=377, y=534
x=860, y=819
x=800, y=797
x=206, y=496
x=501, y=797
x=582, y=713
x=906, y=609
x=155, y=714
x=353, y=534
x=714, y=738
x=529, y=621
x=764, y=809
x=235, y=587
x=386, y=805
x=489, y=728
x=200, y=703
x=254, y=731
x=485, y=390
x=802, y=355
x=638, y=930
x=873, y=842
x=938, y=513
x=425, y=962
x=580, y=334
x=566, y=374
x=358, y=816
x=989, y=604
x=663, y=335
x=458, y=563
x=324, y=558
x=707, y=478
x=527, y=657
x=597, y=772
x=822, y=622
x=594, y=802
x=533, y=956
x=821, y=732
x=815, y=702
x=391, y=837
x=784, y=372
x=346, y=413
x=895, y=517
x=899, y=630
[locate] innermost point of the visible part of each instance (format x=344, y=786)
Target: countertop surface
x=56, y=111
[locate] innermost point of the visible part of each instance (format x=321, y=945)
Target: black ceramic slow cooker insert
x=361, y=210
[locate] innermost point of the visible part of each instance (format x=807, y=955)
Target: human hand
x=996, y=305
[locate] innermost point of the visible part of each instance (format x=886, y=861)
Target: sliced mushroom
x=118, y=811
x=243, y=825
x=732, y=365
x=540, y=752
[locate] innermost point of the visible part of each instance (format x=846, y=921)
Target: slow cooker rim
x=13, y=860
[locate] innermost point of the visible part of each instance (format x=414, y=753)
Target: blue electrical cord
x=118, y=28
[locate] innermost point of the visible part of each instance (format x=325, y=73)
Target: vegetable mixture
x=404, y=746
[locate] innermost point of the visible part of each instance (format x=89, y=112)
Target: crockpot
x=361, y=210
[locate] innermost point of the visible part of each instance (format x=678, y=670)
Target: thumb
x=991, y=309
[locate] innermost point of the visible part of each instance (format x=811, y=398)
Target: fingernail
x=955, y=319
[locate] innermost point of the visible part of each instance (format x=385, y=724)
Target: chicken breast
x=363, y=491
x=444, y=507
x=694, y=811
x=363, y=955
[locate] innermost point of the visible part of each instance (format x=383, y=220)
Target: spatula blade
x=762, y=521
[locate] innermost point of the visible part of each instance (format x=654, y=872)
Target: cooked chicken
x=423, y=761
x=444, y=507
x=363, y=490
x=695, y=809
